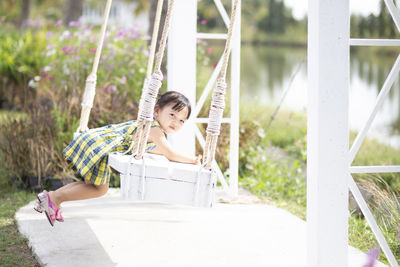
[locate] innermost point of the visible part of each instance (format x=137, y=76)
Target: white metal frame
x=329, y=170
x=393, y=75
x=184, y=21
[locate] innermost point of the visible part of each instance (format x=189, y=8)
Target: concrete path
x=109, y=231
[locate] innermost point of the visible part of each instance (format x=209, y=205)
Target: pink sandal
x=49, y=209
x=38, y=206
x=59, y=216
x=38, y=203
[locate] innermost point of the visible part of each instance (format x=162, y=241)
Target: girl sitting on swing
x=88, y=153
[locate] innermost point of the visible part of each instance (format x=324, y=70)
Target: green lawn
x=14, y=250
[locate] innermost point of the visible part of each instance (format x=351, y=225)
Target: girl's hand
x=197, y=160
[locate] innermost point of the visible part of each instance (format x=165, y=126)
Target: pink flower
x=88, y=27
x=59, y=22
x=112, y=88
x=398, y=233
x=209, y=50
x=123, y=80
x=203, y=21
x=121, y=33
x=92, y=50
x=75, y=23
x=92, y=38
x=372, y=257
x=104, y=89
x=67, y=49
x=49, y=35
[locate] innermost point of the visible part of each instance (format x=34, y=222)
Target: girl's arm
x=164, y=148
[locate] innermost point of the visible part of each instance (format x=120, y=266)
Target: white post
x=235, y=95
x=182, y=67
x=327, y=133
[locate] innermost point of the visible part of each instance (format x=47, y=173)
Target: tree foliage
x=374, y=26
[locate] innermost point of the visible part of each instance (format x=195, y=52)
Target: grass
x=281, y=178
x=14, y=250
x=6, y=115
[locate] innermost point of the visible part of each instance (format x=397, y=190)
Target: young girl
x=88, y=153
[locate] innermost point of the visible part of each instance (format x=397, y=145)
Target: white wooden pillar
x=327, y=133
x=182, y=67
x=235, y=106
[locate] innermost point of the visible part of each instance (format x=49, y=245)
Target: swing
x=152, y=177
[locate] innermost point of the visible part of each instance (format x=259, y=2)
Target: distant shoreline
x=274, y=43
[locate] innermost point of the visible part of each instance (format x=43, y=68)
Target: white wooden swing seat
x=155, y=178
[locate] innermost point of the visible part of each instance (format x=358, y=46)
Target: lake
x=267, y=71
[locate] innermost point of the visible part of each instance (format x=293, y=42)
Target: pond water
x=267, y=71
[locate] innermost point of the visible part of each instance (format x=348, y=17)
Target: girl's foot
x=59, y=216
x=49, y=208
x=37, y=206
x=41, y=198
x=38, y=203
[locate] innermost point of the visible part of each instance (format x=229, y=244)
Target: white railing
x=393, y=75
x=232, y=187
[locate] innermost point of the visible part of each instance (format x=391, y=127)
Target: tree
x=275, y=21
x=152, y=16
x=382, y=19
x=25, y=10
x=362, y=26
x=73, y=10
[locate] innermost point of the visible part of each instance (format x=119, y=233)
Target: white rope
x=197, y=187
x=90, y=86
x=149, y=95
x=218, y=99
x=143, y=180
x=101, y=39
x=146, y=133
x=217, y=108
x=154, y=38
x=90, y=90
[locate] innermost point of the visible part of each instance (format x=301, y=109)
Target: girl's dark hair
x=178, y=100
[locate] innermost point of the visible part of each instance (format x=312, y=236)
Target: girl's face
x=170, y=120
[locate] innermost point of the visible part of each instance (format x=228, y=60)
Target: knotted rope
x=218, y=98
x=149, y=95
x=90, y=87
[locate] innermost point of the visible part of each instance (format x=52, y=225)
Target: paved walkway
x=109, y=231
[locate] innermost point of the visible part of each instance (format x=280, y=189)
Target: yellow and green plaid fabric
x=88, y=153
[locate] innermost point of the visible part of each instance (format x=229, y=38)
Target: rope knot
x=90, y=90
x=217, y=108
x=149, y=97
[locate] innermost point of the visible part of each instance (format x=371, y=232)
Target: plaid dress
x=88, y=153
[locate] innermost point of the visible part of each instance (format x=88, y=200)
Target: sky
x=364, y=7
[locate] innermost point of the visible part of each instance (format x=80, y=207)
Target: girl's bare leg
x=77, y=191
x=68, y=186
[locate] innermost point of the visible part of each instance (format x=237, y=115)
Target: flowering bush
x=48, y=69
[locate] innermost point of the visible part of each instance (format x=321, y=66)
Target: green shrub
x=53, y=66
